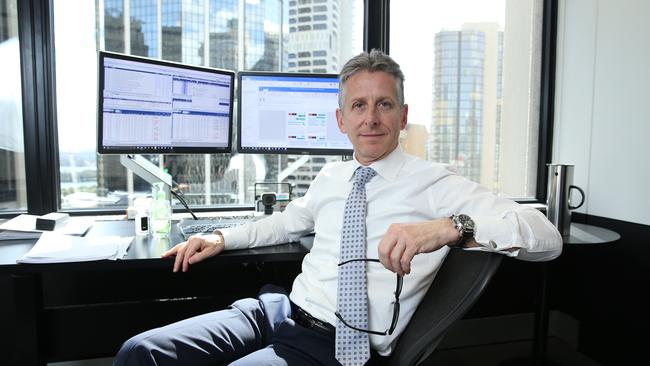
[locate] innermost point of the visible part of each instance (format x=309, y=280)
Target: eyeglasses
x=398, y=291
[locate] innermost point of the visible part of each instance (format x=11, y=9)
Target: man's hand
x=403, y=241
x=195, y=249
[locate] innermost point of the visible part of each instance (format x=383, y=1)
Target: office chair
x=459, y=283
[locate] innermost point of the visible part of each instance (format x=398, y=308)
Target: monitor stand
x=148, y=171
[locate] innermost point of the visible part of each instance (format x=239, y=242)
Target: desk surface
x=53, y=311
x=144, y=251
x=589, y=234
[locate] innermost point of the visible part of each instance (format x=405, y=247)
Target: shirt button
x=493, y=243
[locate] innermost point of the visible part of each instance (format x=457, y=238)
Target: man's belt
x=300, y=316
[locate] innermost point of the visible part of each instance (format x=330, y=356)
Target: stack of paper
x=56, y=248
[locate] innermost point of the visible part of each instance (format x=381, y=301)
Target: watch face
x=465, y=223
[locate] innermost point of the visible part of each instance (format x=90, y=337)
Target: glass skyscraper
x=467, y=84
x=191, y=31
x=320, y=35
x=223, y=34
x=457, y=108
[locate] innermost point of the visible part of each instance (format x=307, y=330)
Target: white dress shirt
x=406, y=189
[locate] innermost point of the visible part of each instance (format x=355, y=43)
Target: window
x=482, y=71
x=202, y=32
x=13, y=195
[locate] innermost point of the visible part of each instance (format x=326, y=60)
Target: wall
x=602, y=126
x=601, y=115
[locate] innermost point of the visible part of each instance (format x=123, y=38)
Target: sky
x=413, y=26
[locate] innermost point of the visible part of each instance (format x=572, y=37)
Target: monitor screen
x=289, y=113
x=153, y=106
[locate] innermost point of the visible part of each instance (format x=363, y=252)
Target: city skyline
x=301, y=27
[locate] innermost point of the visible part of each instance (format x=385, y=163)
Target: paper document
x=18, y=235
x=53, y=247
x=74, y=225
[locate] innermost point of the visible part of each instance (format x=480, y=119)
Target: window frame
x=36, y=39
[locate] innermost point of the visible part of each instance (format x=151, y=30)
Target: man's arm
x=294, y=222
x=502, y=226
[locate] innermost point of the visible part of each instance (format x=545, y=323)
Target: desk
x=580, y=234
x=65, y=311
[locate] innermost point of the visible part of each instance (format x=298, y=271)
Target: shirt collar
x=387, y=168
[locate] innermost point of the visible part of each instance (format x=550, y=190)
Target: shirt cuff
x=234, y=238
x=493, y=233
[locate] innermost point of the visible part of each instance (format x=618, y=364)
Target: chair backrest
x=458, y=284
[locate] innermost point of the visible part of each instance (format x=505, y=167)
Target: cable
x=184, y=203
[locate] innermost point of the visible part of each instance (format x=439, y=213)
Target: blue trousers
x=250, y=332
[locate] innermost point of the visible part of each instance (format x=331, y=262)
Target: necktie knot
x=363, y=174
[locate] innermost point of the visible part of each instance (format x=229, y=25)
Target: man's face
x=371, y=115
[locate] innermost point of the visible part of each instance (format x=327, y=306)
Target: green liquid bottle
x=161, y=213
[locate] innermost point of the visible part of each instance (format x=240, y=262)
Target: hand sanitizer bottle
x=161, y=212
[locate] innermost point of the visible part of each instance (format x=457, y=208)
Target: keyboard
x=191, y=227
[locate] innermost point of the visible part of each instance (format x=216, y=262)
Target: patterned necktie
x=353, y=347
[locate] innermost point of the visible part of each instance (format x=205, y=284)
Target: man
x=382, y=205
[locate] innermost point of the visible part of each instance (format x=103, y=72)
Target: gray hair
x=376, y=60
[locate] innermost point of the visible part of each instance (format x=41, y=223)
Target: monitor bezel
x=154, y=150
x=280, y=150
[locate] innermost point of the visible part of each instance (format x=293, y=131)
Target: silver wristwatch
x=465, y=226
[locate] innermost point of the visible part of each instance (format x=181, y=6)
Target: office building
x=414, y=140
x=320, y=35
x=467, y=83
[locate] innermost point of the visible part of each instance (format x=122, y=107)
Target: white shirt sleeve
x=290, y=225
x=502, y=225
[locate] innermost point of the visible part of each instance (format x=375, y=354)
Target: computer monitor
x=148, y=106
x=289, y=113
